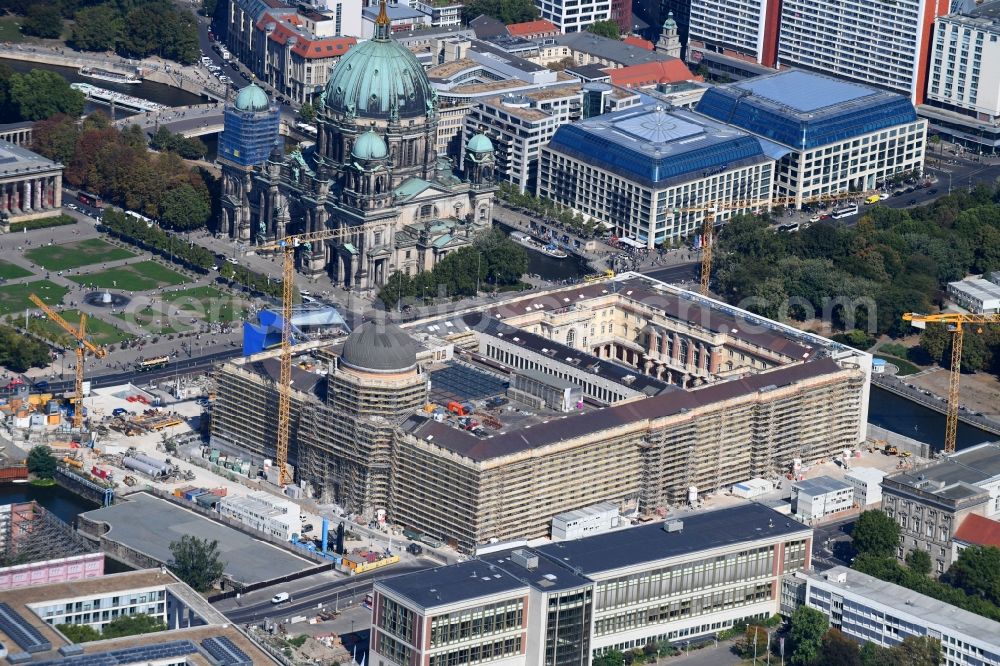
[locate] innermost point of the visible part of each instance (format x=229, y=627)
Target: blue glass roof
x=805, y=110
x=653, y=145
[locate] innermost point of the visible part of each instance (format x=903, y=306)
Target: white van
x=279, y=598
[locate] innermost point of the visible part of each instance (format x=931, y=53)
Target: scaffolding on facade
x=29, y=533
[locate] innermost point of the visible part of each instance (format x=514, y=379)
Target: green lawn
x=9, y=31
x=153, y=321
x=100, y=332
x=208, y=304
x=76, y=254
x=905, y=367
x=9, y=271
x=14, y=297
x=142, y=276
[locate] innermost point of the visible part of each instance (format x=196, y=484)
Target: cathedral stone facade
x=373, y=173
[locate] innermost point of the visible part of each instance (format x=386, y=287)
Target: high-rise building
x=742, y=30
x=963, y=90
x=886, y=44
x=575, y=15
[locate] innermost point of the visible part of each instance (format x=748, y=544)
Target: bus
x=306, y=128
x=789, y=228
x=152, y=363
x=845, y=211
x=89, y=199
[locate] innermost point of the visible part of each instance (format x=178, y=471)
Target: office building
x=586, y=48
x=647, y=173
x=745, y=30
x=867, y=484
x=537, y=29
x=570, y=601
x=263, y=512
x=886, y=45
x=827, y=135
x=402, y=18
x=195, y=633
x=30, y=185
x=871, y=610
x=930, y=503
x=815, y=499
x=443, y=14
x=574, y=16
x=680, y=396
x=976, y=295
x=963, y=90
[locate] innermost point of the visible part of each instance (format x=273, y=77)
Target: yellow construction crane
x=287, y=247
x=82, y=347
x=712, y=209
x=955, y=321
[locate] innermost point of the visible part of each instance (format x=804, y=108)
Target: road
x=307, y=597
x=830, y=541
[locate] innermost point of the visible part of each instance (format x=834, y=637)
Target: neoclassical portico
x=30, y=185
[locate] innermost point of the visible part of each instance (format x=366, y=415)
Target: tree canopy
x=508, y=11
x=132, y=625
x=197, y=562
x=184, y=208
x=977, y=572
x=43, y=20
x=41, y=462
x=97, y=28
x=19, y=352
x=40, y=94
x=607, y=29
x=893, y=261
x=876, y=534
x=492, y=261
x=808, y=626
x=919, y=561
x=79, y=633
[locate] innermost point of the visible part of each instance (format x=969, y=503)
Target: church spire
x=382, y=22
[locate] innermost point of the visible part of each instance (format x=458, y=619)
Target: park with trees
x=863, y=278
x=36, y=95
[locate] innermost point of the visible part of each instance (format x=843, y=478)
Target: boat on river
x=108, y=75
x=550, y=249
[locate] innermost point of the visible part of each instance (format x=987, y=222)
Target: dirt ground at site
x=979, y=392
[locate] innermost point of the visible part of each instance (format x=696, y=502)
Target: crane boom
x=83, y=345
x=956, y=322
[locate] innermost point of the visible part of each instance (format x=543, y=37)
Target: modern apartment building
x=575, y=15
x=567, y=602
x=884, y=44
x=871, y=610
x=827, y=135
x=648, y=172
x=963, y=90
x=815, y=499
x=195, y=633
x=931, y=503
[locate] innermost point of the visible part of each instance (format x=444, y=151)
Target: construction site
x=480, y=426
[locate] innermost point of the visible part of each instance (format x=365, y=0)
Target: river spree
x=56, y=499
x=154, y=92
x=907, y=418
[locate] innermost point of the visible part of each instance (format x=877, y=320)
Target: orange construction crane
x=955, y=321
x=82, y=347
x=711, y=210
x=287, y=246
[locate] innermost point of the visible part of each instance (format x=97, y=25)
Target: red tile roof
x=979, y=531
x=651, y=73
x=639, y=41
x=305, y=47
x=528, y=28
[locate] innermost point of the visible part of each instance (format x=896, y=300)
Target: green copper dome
x=252, y=98
x=370, y=146
x=670, y=23
x=480, y=144
x=379, y=79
